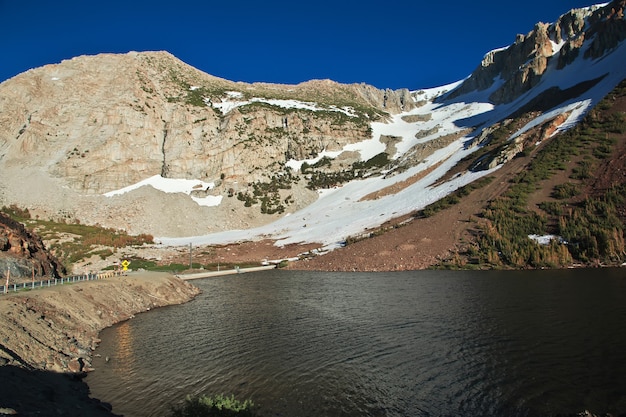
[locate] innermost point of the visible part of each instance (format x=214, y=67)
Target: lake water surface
x=422, y=343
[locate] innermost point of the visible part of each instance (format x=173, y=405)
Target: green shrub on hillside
x=591, y=231
x=567, y=190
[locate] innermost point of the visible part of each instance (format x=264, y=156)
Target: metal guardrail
x=4, y=289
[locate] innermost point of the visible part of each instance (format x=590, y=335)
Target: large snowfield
x=339, y=213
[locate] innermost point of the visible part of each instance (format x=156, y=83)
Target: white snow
x=545, y=239
x=226, y=106
x=339, y=213
x=234, y=94
x=171, y=185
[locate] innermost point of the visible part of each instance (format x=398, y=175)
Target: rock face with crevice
x=103, y=122
x=73, y=131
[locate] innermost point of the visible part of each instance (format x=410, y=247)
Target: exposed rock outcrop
x=113, y=120
x=93, y=124
x=22, y=253
x=520, y=66
x=73, y=132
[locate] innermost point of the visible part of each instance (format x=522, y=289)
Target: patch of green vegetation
x=594, y=230
x=564, y=191
x=73, y=242
x=591, y=231
x=319, y=179
x=268, y=193
x=324, y=162
x=377, y=161
x=16, y=213
x=328, y=179
x=453, y=198
x=583, y=171
x=195, y=98
x=213, y=406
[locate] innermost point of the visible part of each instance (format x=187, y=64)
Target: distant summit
x=587, y=33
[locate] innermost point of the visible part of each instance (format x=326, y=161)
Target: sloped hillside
x=144, y=143
x=561, y=204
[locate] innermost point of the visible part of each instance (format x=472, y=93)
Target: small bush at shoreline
x=216, y=406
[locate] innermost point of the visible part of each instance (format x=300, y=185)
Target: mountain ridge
x=287, y=163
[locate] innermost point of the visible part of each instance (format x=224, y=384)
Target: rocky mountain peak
x=520, y=67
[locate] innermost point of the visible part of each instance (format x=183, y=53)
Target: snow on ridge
x=226, y=106
x=174, y=185
x=430, y=94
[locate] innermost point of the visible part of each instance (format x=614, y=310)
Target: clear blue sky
x=389, y=44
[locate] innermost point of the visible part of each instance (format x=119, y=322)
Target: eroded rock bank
x=57, y=328
x=47, y=337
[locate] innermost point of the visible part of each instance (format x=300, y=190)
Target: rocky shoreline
x=47, y=338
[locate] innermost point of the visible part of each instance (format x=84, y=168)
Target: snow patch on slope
x=226, y=106
x=171, y=185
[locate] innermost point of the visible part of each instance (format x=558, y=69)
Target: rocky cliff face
x=22, y=253
x=107, y=121
x=74, y=131
x=520, y=67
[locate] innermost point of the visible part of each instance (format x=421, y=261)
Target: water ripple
x=429, y=343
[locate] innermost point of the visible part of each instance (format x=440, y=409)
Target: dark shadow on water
x=44, y=393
